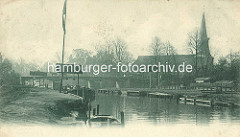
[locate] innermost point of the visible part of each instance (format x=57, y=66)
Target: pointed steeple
x=204, y=48
x=203, y=30
x=205, y=60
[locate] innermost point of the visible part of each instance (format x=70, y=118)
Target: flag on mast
x=64, y=13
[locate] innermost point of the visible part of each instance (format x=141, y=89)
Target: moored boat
x=103, y=121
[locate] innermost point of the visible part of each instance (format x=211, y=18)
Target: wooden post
x=89, y=110
x=21, y=81
x=78, y=85
x=33, y=81
x=122, y=118
x=150, y=80
x=83, y=90
x=97, y=109
x=212, y=102
x=185, y=100
x=194, y=101
x=177, y=99
x=94, y=111
x=101, y=84
x=108, y=122
x=43, y=82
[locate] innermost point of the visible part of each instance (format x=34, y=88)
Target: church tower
x=204, y=56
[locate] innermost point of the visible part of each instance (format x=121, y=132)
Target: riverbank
x=39, y=105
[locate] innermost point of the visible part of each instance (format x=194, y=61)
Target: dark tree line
x=228, y=68
x=7, y=75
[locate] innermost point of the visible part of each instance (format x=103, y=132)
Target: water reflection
x=158, y=111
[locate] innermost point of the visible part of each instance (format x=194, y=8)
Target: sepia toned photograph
x=119, y=68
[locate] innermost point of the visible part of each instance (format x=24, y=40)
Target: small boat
x=103, y=121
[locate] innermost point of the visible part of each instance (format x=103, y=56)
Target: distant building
x=204, y=59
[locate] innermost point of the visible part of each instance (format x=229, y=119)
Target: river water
x=160, y=111
x=34, y=107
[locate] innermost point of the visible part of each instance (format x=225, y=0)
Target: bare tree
x=156, y=47
x=104, y=55
x=170, y=52
x=169, y=49
x=119, y=49
x=194, y=47
x=112, y=52
x=80, y=56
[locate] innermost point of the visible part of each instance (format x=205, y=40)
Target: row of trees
x=110, y=53
x=166, y=49
x=226, y=68
x=116, y=50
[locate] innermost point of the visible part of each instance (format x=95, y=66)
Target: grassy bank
x=38, y=105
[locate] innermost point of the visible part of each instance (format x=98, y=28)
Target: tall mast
x=64, y=17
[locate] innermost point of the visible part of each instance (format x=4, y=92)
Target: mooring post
x=89, y=110
x=43, y=82
x=78, y=84
x=194, y=101
x=185, y=100
x=33, y=81
x=94, y=111
x=122, y=118
x=97, y=109
x=177, y=96
x=20, y=81
x=83, y=92
x=212, y=102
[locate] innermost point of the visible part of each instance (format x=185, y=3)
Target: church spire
x=203, y=30
x=204, y=48
x=204, y=60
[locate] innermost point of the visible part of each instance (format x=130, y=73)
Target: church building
x=204, y=58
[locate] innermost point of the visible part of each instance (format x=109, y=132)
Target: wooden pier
x=207, y=102
x=200, y=100
x=159, y=95
x=133, y=93
x=110, y=91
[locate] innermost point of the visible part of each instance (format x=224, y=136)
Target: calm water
x=158, y=111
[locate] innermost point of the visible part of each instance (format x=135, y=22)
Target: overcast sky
x=32, y=29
